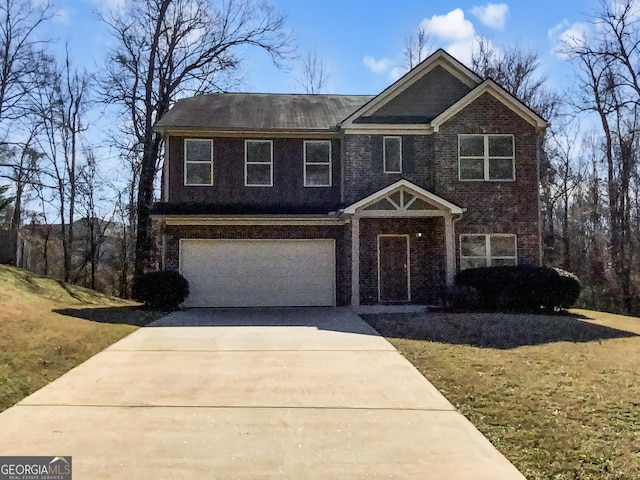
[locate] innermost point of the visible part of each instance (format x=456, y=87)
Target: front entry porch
x=402, y=246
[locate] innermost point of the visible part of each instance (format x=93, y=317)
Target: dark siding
x=428, y=97
x=228, y=176
x=408, y=160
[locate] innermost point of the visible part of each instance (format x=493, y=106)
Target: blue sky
x=361, y=41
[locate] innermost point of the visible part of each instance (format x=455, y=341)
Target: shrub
x=164, y=290
x=522, y=287
x=461, y=298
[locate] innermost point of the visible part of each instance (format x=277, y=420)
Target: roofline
x=491, y=87
x=242, y=132
x=185, y=220
x=453, y=209
x=438, y=58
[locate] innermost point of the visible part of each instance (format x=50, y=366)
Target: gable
x=490, y=89
x=417, y=97
x=429, y=96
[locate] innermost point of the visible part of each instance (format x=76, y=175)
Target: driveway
x=251, y=394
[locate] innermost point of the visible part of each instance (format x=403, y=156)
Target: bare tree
x=517, y=70
x=313, y=77
x=20, y=21
x=417, y=47
x=608, y=61
x=171, y=48
x=59, y=104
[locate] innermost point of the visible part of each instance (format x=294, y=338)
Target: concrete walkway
x=251, y=394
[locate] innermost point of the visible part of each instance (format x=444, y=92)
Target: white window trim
x=487, y=238
x=485, y=157
x=384, y=153
x=247, y=163
x=187, y=162
x=329, y=163
x=408, y=267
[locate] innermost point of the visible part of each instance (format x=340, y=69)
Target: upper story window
x=198, y=162
x=392, y=149
x=317, y=163
x=486, y=157
x=487, y=250
x=258, y=163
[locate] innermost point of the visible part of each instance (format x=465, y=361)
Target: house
x=283, y=200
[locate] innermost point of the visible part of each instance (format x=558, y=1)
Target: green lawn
x=558, y=395
x=47, y=328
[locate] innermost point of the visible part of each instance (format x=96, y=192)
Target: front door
x=393, y=268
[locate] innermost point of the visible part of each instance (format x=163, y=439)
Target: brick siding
x=426, y=253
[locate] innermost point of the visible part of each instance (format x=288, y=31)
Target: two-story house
x=288, y=200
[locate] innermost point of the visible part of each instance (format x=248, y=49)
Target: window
x=487, y=250
x=317, y=163
x=392, y=154
x=486, y=157
x=258, y=163
x=198, y=162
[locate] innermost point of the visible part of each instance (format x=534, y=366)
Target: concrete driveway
x=251, y=394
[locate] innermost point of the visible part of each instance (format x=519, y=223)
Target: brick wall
x=426, y=252
x=173, y=234
x=492, y=207
x=364, y=169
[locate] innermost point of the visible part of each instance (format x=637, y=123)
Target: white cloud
x=453, y=32
x=452, y=27
x=492, y=15
x=377, y=66
x=565, y=35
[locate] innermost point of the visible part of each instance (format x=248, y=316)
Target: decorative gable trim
x=439, y=58
x=492, y=88
x=404, y=205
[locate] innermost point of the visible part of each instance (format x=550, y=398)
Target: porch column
x=355, y=261
x=450, y=249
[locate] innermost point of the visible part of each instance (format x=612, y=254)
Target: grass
x=47, y=328
x=557, y=395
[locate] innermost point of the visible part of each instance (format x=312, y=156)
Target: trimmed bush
x=522, y=287
x=164, y=290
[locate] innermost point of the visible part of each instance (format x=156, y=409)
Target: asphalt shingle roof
x=261, y=111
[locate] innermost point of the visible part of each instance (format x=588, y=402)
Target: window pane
x=471, y=146
x=198, y=173
x=501, y=146
x=317, y=175
x=472, y=263
x=473, y=246
x=500, y=169
x=503, y=246
x=471, y=169
x=258, y=174
x=392, y=154
x=198, y=150
x=317, y=152
x=503, y=262
x=259, y=152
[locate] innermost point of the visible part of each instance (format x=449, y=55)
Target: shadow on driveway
x=492, y=330
x=337, y=319
x=131, y=315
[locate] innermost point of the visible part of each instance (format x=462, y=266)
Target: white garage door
x=257, y=273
